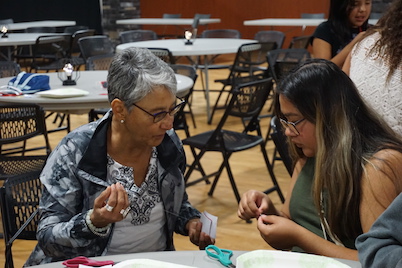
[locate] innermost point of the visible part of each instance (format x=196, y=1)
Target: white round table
x=200, y=47
x=89, y=81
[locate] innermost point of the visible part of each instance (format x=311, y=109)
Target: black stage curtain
x=84, y=12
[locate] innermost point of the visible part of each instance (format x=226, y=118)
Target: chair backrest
x=95, y=45
x=197, y=18
x=99, y=62
x=300, y=41
x=248, y=98
x=270, y=36
x=163, y=53
x=281, y=144
x=184, y=69
x=41, y=29
x=221, y=33
x=73, y=29
x=312, y=15
x=171, y=16
x=9, y=68
x=51, y=51
x=137, y=35
x=281, y=61
x=248, y=56
x=20, y=122
x=180, y=121
x=19, y=203
x=74, y=47
x=202, y=16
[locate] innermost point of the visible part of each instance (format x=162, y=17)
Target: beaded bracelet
x=98, y=231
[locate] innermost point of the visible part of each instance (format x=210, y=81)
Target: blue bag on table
x=30, y=83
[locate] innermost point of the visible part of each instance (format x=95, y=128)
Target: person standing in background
x=375, y=66
x=347, y=21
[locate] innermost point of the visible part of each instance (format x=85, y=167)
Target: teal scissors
x=222, y=255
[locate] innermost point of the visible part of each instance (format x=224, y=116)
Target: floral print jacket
x=75, y=174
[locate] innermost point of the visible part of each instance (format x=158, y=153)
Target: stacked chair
x=20, y=167
x=98, y=52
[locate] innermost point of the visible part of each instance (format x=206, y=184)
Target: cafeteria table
x=196, y=258
x=43, y=23
x=89, y=81
x=290, y=22
x=200, y=47
x=165, y=21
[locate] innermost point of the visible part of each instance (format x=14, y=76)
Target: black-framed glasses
x=291, y=125
x=160, y=115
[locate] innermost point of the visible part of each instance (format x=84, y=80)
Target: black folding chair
x=246, y=103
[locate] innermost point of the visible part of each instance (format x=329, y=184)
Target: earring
x=122, y=121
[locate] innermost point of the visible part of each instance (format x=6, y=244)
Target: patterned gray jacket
x=75, y=174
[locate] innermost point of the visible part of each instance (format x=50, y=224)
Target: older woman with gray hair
x=116, y=185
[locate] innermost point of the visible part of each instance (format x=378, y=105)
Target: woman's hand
x=279, y=232
x=253, y=204
x=197, y=237
x=114, y=198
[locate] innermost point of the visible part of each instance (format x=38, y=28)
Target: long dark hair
x=348, y=134
x=339, y=19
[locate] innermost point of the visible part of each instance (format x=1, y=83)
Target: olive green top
x=301, y=206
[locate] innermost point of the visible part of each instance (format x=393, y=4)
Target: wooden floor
x=249, y=172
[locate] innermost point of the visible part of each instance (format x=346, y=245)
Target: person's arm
x=346, y=65
x=382, y=245
x=282, y=233
x=62, y=230
x=322, y=49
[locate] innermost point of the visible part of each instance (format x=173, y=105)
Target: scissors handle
x=222, y=255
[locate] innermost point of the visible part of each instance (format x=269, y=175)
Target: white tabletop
x=201, y=46
x=190, y=258
x=167, y=21
x=89, y=81
x=43, y=23
x=289, y=22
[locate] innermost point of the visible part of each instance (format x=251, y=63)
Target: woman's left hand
x=201, y=239
x=277, y=231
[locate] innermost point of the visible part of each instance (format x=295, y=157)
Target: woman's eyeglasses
x=161, y=115
x=291, y=125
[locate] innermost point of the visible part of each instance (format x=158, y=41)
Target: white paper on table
x=209, y=224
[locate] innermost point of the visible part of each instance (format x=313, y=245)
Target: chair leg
x=9, y=257
x=216, y=105
x=199, y=167
x=196, y=163
x=217, y=176
x=271, y=173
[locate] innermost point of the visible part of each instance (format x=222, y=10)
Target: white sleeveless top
x=369, y=73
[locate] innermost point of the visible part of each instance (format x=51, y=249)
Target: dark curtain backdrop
x=84, y=12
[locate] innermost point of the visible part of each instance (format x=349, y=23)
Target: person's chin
x=158, y=139
x=308, y=152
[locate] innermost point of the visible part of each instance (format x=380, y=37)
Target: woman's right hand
x=252, y=204
x=114, y=196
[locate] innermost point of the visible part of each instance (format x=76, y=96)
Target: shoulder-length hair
x=339, y=20
x=348, y=134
